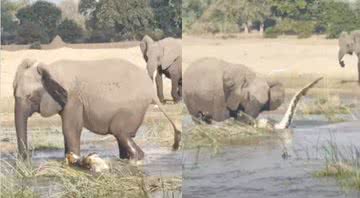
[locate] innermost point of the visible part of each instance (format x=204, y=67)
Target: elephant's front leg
x=72, y=124
x=175, y=90
x=159, y=87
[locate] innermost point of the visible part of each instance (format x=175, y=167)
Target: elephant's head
x=346, y=46
x=30, y=85
x=159, y=54
x=252, y=94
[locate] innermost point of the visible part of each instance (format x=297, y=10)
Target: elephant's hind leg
x=124, y=127
x=128, y=149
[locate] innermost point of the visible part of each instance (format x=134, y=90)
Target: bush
x=303, y=29
x=99, y=37
x=157, y=34
x=271, y=33
x=35, y=45
x=70, y=31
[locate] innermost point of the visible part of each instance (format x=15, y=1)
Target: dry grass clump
x=229, y=132
x=329, y=106
x=343, y=164
x=123, y=180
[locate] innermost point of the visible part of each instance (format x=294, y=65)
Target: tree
x=123, y=19
x=70, y=10
x=45, y=14
x=337, y=16
x=70, y=31
x=168, y=16
x=254, y=10
x=192, y=10
x=9, y=23
x=30, y=32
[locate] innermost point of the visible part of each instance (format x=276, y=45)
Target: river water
x=261, y=170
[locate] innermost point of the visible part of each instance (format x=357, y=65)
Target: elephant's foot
x=135, y=152
x=123, y=153
x=130, y=151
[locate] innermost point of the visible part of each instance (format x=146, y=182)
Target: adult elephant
x=104, y=96
x=349, y=44
x=165, y=57
x=217, y=90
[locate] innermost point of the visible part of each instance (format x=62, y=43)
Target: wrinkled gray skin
x=217, y=90
x=165, y=56
x=349, y=44
x=105, y=96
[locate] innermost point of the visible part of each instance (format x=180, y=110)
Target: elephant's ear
x=231, y=92
x=56, y=91
x=171, y=51
x=276, y=95
x=24, y=65
x=144, y=46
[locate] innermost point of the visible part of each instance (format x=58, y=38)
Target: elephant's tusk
x=286, y=120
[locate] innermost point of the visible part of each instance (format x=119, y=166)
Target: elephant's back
x=203, y=88
x=112, y=78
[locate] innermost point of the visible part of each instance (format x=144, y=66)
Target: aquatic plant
x=330, y=106
x=342, y=163
x=122, y=180
x=220, y=134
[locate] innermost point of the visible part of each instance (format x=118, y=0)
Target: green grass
x=343, y=164
x=123, y=180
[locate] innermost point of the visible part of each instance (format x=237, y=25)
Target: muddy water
x=261, y=171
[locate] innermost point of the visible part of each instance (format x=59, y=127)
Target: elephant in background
x=217, y=90
x=165, y=57
x=104, y=96
x=349, y=44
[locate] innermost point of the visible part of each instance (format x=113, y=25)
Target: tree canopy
x=301, y=17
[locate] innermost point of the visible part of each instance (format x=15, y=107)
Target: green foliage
x=70, y=31
x=35, y=45
x=46, y=15
x=337, y=16
x=271, y=33
x=29, y=32
x=122, y=19
x=167, y=15
x=8, y=20
x=300, y=17
x=303, y=29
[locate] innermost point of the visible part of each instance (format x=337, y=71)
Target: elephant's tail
x=177, y=133
x=286, y=120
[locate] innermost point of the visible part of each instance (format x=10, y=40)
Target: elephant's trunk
x=21, y=116
x=341, y=56
x=288, y=117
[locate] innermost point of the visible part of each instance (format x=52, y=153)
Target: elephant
x=218, y=90
x=348, y=44
x=104, y=96
x=165, y=57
